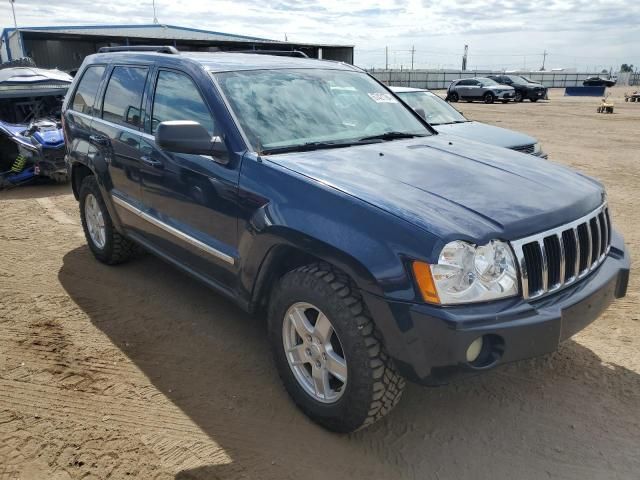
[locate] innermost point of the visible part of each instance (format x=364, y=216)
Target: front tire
x=519, y=97
x=327, y=351
x=106, y=244
x=533, y=100
x=489, y=97
x=454, y=97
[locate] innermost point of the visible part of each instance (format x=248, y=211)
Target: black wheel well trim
x=284, y=257
x=76, y=182
x=79, y=171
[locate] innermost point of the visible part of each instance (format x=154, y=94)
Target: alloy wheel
x=314, y=352
x=95, y=221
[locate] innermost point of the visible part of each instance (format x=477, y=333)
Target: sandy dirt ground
x=138, y=371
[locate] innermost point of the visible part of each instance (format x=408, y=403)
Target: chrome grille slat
x=562, y=260
x=590, y=244
x=542, y=258
x=577, y=269
x=545, y=266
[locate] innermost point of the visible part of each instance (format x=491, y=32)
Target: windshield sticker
x=382, y=98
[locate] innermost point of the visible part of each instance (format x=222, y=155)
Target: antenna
x=155, y=17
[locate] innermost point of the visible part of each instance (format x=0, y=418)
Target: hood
x=454, y=188
x=28, y=75
x=481, y=132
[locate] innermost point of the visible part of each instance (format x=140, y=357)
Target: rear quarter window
x=87, y=90
x=123, y=96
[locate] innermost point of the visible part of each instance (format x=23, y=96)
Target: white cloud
x=500, y=33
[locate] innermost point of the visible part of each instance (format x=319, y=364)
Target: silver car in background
x=447, y=120
x=479, y=88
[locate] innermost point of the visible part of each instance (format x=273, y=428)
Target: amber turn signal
x=422, y=273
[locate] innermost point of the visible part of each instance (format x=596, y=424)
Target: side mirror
x=421, y=112
x=186, y=136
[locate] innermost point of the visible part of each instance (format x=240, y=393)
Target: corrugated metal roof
x=159, y=31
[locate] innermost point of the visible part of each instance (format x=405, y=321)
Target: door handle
x=99, y=139
x=147, y=160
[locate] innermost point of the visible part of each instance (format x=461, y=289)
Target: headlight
x=537, y=148
x=468, y=273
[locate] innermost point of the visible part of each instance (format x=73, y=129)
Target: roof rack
x=281, y=53
x=141, y=48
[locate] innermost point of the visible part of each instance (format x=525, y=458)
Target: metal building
x=65, y=47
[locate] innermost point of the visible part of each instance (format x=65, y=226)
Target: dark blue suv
x=379, y=249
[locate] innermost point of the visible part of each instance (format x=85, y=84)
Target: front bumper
x=537, y=94
x=429, y=343
x=505, y=95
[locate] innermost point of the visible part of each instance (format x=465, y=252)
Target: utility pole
x=155, y=17
x=464, y=58
x=15, y=24
x=386, y=58
x=544, y=60
x=413, y=51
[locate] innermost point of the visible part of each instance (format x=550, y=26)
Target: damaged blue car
x=31, y=140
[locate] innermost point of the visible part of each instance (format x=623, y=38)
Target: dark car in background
x=446, y=119
x=479, y=88
x=598, y=82
x=304, y=190
x=525, y=89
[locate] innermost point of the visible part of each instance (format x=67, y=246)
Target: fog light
x=473, y=352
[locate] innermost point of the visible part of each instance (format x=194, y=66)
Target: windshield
x=436, y=110
x=518, y=80
x=487, y=81
x=279, y=109
x=527, y=79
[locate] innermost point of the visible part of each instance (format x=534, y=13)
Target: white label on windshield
x=383, y=98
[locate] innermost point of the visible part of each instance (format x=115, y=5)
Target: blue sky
x=500, y=34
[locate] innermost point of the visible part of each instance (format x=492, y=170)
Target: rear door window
x=177, y=98
x=85, y=95
x=123, y=97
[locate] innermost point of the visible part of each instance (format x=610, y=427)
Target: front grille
x=524, y=148
x=556, y=258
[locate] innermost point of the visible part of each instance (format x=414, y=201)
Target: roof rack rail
x=141, y=48
x=281, y=53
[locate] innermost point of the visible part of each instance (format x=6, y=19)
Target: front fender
x=281, y=207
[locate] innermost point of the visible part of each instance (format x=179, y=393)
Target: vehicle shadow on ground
x=567, y=414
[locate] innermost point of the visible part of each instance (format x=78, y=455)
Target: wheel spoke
x=297, y=355
x=321, y=381
x=323, y=329
x=300, y=322
x=337, y=366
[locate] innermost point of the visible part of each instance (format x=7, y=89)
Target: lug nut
x=309, y=339
x=308, y=352
x=318, y=364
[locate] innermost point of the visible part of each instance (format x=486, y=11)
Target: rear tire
x=489, y=97
x=109, y=246
x=372, y=386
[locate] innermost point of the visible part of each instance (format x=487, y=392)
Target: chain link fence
x=440, y=79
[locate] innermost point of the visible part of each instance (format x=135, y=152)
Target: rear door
x=115, y=137
x=79, y=112
x=192, y=198
x=463, y=88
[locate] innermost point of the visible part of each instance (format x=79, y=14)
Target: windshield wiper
x=306, y=147
x=392, y=136
x=450, y=123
